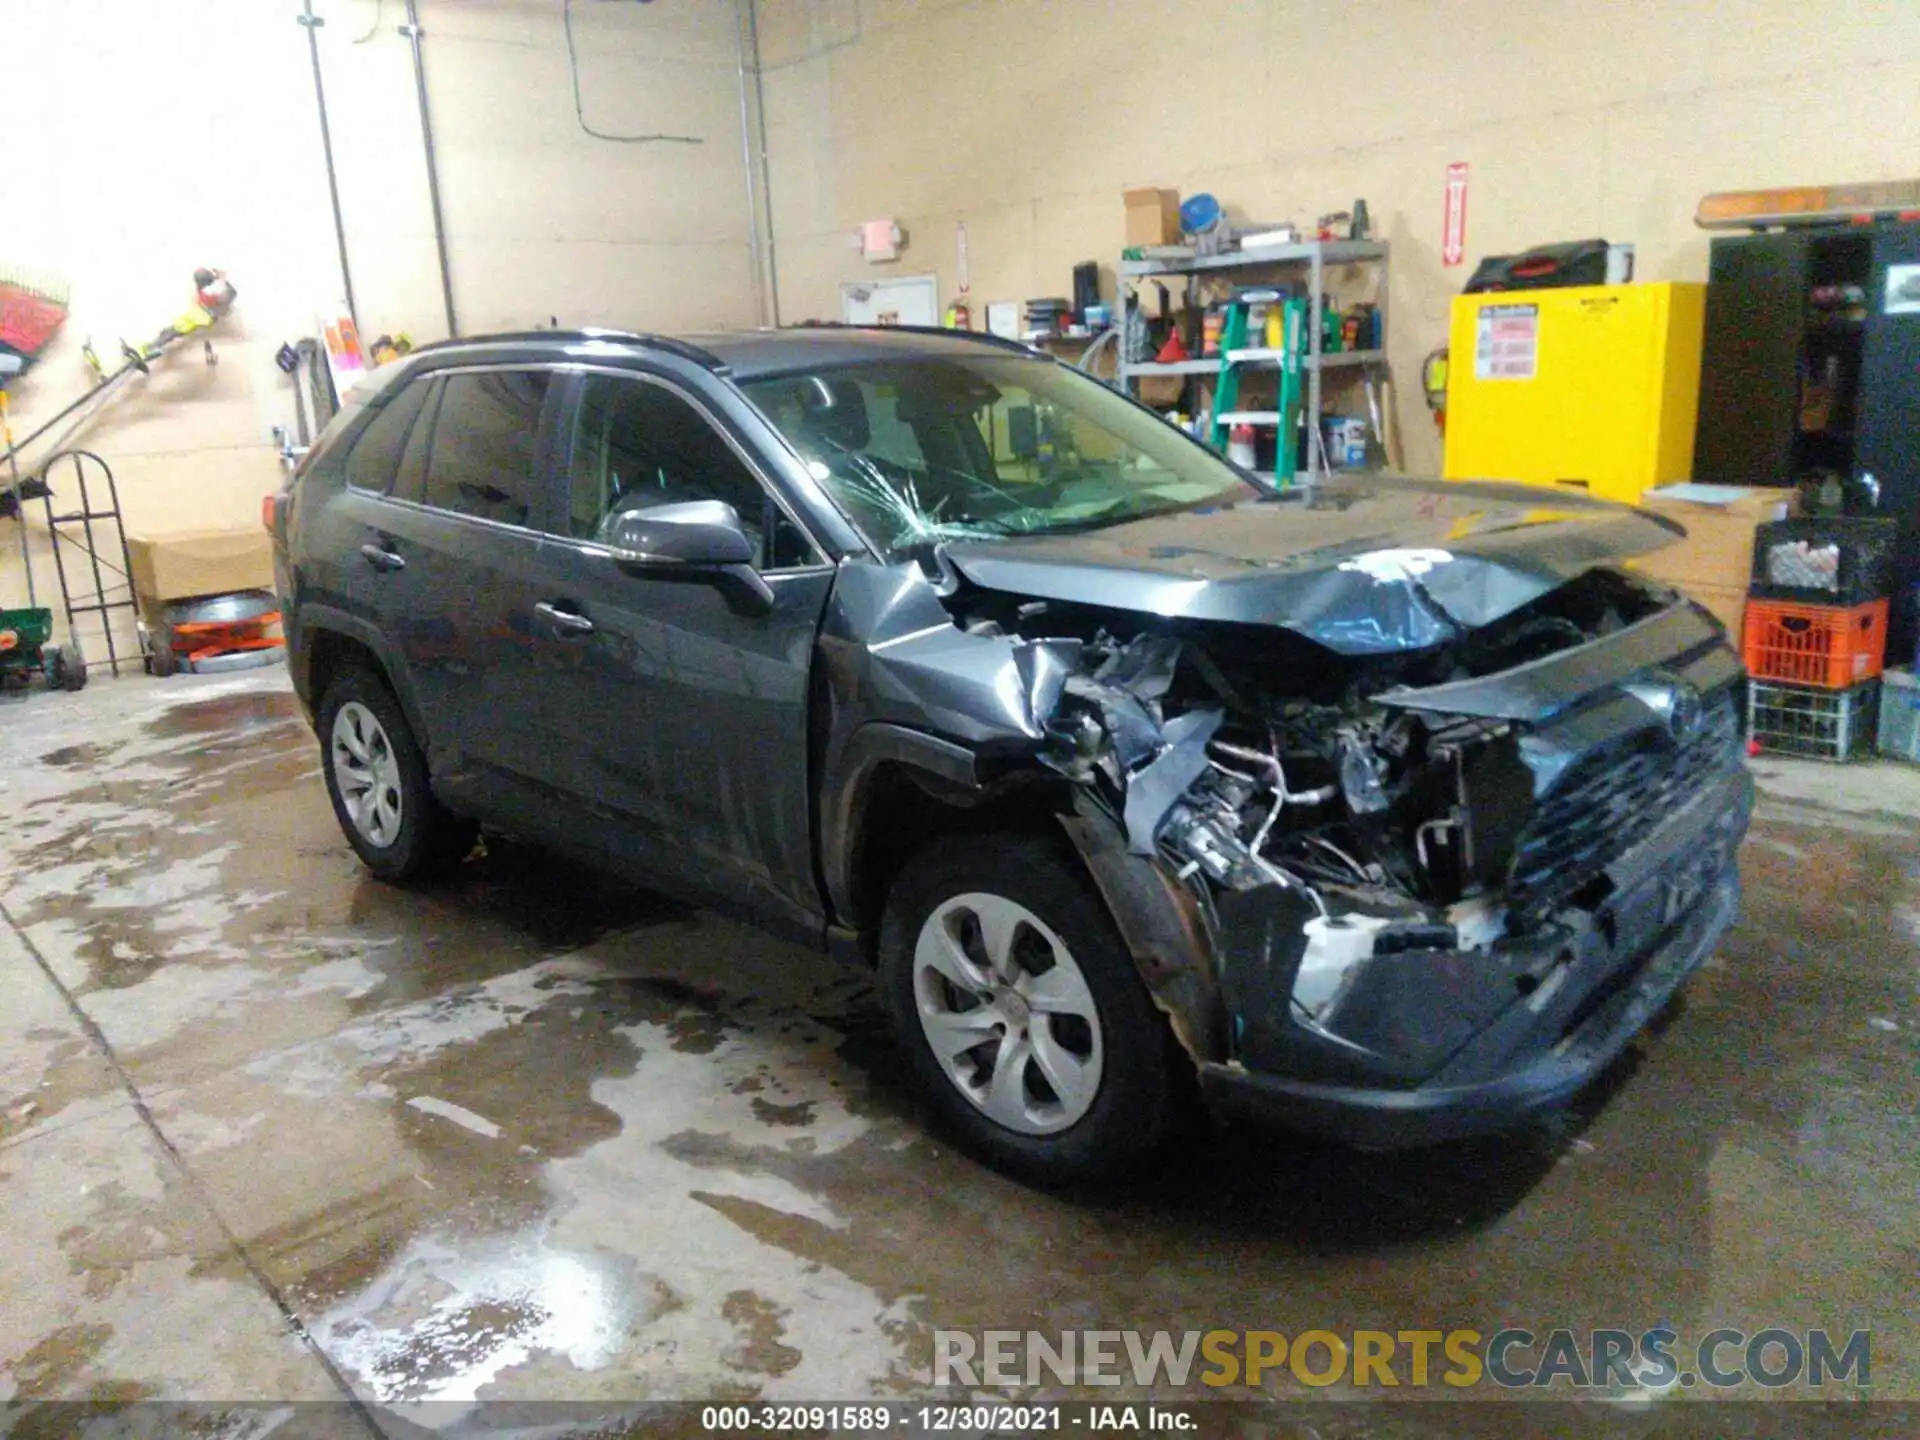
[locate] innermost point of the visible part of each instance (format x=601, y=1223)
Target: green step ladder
x=1226, y=393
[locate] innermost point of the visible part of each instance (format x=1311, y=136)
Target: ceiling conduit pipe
x=753, y=140
x=312, y=23
x=413, y=32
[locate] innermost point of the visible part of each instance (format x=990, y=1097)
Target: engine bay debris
x=1289, y=832
x=1317, y=821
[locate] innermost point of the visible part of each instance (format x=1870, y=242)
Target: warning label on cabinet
x=1507, y=343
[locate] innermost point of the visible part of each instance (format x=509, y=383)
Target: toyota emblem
x=1675, y=703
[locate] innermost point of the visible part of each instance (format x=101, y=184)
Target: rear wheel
x=1021, y=1013
x=377, y=780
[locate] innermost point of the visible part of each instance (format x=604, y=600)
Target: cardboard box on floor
x=1153, y=215
x=1719, y=521
x=1714, y=563
x=187, y=564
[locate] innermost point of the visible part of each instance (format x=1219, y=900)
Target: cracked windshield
x=931, y=450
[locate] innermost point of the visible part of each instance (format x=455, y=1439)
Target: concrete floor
x=531, y=1134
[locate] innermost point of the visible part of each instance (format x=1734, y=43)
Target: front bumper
x=1616, y=966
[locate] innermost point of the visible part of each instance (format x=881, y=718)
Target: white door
x=908, y=300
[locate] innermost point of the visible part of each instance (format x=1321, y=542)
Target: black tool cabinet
x=1793, y=382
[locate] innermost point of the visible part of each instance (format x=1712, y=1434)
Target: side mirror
x=693, y=538
x=693, y=534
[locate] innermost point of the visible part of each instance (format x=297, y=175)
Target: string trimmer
x=213, y=297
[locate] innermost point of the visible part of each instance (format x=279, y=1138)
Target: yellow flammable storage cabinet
x=1594, y=386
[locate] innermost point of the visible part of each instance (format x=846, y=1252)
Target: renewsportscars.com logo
x=1392, y=1359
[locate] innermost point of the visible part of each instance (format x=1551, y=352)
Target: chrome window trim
x=600, y=552
x=422, y=508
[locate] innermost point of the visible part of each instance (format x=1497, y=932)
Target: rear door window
x=410, y=477
x=486, y=442
x=377, y=449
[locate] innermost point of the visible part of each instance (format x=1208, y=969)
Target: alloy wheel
x=367, y=772
x=1007, y=1013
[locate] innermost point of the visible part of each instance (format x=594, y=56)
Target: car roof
x=758, y=354
x=753, y=354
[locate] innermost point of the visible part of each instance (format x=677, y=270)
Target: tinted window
x=485, y=442
x=410, y=477
x=376, y=451
x=638, y=445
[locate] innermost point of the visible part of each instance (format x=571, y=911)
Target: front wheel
x=1021, y=1013
x=377, y=780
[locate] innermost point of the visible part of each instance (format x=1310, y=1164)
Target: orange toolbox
x=1830, y=647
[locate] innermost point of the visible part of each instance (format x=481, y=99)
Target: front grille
x=1611, y=800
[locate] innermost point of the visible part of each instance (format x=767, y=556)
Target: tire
x=959, y=903
x=161, y=659
x=71, y=668
x=377, y=780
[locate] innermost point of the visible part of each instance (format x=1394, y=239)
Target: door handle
x=381, y=559
x=565, y=623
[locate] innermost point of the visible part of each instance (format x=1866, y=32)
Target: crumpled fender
x=1162, y=925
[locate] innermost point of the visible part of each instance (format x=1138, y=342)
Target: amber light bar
x=1806, y=204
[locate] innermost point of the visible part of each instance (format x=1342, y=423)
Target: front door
x=682, y=718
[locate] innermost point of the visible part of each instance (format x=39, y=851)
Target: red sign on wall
x=1453, y=231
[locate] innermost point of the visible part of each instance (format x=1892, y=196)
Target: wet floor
x=531, y=1134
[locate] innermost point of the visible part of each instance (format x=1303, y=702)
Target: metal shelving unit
x=1306, y=262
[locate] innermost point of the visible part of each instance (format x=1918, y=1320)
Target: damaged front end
x=1401, y=897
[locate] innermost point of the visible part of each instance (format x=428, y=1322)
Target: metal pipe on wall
x=753, y=142
x=312, y=24
x=413, y=32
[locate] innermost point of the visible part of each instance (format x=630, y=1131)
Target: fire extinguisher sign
x=1453, y=231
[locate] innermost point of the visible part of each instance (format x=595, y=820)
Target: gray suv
x=1391, y=810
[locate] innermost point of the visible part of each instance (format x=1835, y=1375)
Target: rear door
x=459, y=534
x=682, y=719
x=374, y=581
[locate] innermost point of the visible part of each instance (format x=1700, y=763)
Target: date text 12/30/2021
x=1089, y=1419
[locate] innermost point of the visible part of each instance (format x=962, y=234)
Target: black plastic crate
x=1824, y=560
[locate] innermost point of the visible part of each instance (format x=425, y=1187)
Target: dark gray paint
x=649, y=721
x=1371, y=567
x=682, y=724
x=1681, y=638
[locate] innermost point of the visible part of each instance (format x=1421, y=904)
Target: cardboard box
x=1717, y=553
x=190, y=563
x=1153, y=215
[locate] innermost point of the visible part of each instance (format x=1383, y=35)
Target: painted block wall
x=1027, y=119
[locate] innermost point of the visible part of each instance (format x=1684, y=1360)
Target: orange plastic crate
x=1831, y=647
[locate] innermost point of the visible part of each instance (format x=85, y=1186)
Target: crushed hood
x=1368, y=567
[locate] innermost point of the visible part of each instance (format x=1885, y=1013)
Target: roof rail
x=979, y=337
x=664, y=343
